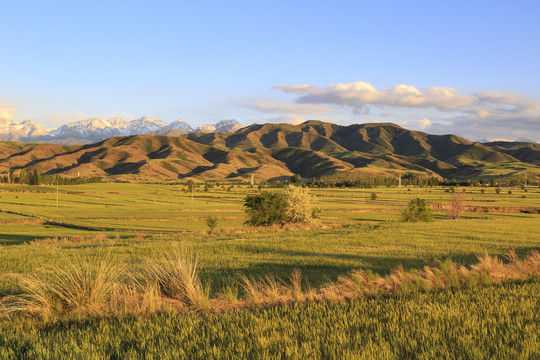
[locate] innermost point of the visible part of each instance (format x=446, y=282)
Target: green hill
x=277, y=151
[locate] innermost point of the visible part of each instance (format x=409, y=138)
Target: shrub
x=212, y=222
x=294, y=205
x=266, y=208
x=418, y=210
x=373, y=196
x=299, y=204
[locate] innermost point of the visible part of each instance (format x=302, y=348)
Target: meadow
x=137, y=223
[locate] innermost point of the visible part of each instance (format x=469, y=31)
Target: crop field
x=134, y=224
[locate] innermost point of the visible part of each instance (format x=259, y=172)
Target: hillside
x=277, y=151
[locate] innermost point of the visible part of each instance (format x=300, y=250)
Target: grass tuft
x=177, y=277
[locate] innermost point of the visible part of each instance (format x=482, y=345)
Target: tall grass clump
x=76, y=288
x=177, y=276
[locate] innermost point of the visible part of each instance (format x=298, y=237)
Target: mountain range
x=93, y=130
x=277, y=151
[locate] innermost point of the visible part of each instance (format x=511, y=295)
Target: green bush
x=293, y=205
x=266, y=208
x=418, y=210
x=212, y=222
x=373, y=196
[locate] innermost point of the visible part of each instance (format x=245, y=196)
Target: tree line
x=34, y=177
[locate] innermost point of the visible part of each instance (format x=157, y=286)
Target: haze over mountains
x=92, y=130
x=277, y=151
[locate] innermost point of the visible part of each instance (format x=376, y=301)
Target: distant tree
x=373, y=196
x=34, y=178
x=296, y=179
x=417, y=210
x=457, y=205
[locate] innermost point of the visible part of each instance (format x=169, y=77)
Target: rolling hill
x=278, y=151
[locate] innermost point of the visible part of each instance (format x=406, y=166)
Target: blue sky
x=465, y=67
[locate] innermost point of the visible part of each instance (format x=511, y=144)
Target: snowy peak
x=93, y=130
x=178, y=124
x=144, y=125
x=230, y=125
x=25, y=131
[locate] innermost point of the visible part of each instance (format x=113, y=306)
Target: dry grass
x=84, y=288
x=177, y=276
x=173, y=284
x=74, y=239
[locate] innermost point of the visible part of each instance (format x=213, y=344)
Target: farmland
x=135, y=223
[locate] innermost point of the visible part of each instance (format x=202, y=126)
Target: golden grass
x=172, y=283
x=83, y=288
x=177, y=276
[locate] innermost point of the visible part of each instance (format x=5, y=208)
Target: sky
x=465, y=67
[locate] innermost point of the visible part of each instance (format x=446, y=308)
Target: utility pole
x=363, y=188
x=252, y=182
x=399, y=180
x=192, y=191
x=56, y=190
x=525, y=179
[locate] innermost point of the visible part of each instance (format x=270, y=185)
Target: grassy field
x=30, y=212
x=136, y=223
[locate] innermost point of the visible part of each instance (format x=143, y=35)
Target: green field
x=135, y=223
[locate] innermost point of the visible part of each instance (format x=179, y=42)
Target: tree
x=417, y=210
x=34, y=178
x=457, y=205
x=373, y=196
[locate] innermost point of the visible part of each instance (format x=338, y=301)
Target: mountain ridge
x=95, y=129
x=278, y=151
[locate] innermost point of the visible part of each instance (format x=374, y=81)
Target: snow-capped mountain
x=229, y=125
x=524, y=139
x=93, y=130
x=25, y=131
x=178, y=124
x=144, y=125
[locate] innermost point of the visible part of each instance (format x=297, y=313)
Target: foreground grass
x=500, y=322
x=173, y=284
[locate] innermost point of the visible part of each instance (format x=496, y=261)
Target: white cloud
x=358, y=94
x=424, y=123
x=273, y=106
x=493, y=113
x=288, y=119
x=7, y=111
